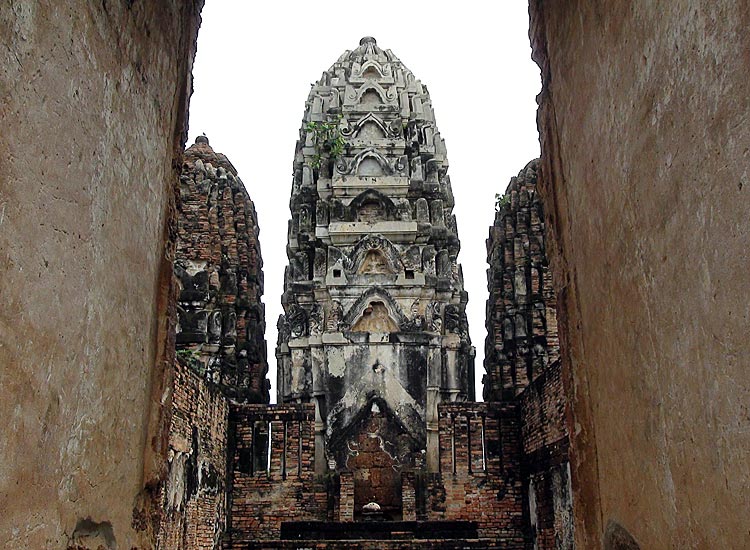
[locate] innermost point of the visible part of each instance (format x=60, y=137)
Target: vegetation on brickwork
x=191, y=358
x=327, y=139
x=501, y=201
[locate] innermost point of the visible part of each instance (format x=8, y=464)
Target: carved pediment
x=374, y=311
x=373, y=93
x=367, y=163
x=373, y=69
x=372, y=127
x=373, y=251
x=397, y=439
x=375, y=318
x=363, y=205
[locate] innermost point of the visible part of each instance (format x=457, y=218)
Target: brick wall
x=479, y=471
x=267, y=490
x=543, y=414
x=546, y=468
x=522, y=358
x=194, y=495
x=409, y=496
x=346, y=496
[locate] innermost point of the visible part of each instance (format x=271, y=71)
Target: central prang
x=374, y=331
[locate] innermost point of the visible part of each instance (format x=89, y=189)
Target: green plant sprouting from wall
x=327, y=139
x=191, y=358
x=501, y=201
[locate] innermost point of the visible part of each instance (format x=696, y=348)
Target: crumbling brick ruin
x=132, y=358
x=376, y=436
x=220, y=360
x=522, y=356
x=221, y=321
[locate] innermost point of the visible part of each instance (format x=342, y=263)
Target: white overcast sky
x=252, y=74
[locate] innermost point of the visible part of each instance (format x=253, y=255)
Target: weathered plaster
x=93, y=99
x=643, y=122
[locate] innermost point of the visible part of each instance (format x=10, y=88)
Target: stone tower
x=522, y=358
x=221, y=320
x=522, y=340
x=374, y=331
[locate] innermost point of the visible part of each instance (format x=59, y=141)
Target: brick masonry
x=221, y=321
x=193, y=498
x=522, y=339
x=267, y=490
x=220, y=345
x=479, y=471
x=522, y=358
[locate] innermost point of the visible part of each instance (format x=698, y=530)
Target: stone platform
x=370, y=544
x=381, y=531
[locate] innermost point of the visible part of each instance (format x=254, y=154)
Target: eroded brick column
x=346, y=500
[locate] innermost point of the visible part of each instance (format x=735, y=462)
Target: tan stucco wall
x=646, y=150
x=93, y=102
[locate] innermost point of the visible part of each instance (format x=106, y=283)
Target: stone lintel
x=343, y=233
x=427, y=339
x=296, y=343
x=386, y=281
x=351, y=186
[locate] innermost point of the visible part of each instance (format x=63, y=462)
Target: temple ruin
x=131, y=333
x=376, y=435
x=375, y=331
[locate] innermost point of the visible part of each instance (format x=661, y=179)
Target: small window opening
x=299, y=449
x=468, y=441
x=409, y=273
x=337, y=273
x=246, y=461
x=270, y=448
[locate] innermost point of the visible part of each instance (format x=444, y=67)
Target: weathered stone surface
x=374, y=331
x=522, y=358
x=221, y=319
x=643, y=123
x=93, y=102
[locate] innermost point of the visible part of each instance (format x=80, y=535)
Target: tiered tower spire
x=374, y=331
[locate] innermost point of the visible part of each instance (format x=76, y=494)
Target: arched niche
x=371, y=93
x=371, y=127
x=371, y=211
x=375, y=164
x=372, y=70
x=375, y=311
x=372, y=203
x=375, y=318
x=374, y=263
x=370, y=168
x=370, y=130
x=375, y=249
